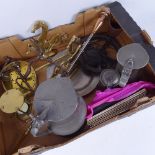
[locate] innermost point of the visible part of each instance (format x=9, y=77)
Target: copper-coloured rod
x=84, y=45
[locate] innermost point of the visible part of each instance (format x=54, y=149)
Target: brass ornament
x=46, y=45
x=71, y=51
x=11, y=101
x=19, y=75
x=63, y=59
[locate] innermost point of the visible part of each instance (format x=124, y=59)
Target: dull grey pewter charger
x=59, y=109
x=131, y=57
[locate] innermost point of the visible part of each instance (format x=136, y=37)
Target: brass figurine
x=62, y=62
x=47, y=45
x=71, y=51
x=19, y=75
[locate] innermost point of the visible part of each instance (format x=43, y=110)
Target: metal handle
x=126, y=72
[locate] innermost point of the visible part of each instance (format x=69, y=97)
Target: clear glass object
x=109, y=78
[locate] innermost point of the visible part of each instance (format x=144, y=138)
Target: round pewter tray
x=83, y=83
x=134, y=51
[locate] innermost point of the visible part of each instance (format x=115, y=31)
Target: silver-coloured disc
x=58, y=97
x=83, y=83
x=135, y=51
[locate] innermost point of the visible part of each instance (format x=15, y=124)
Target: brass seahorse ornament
x=47, y=45
x=42, y=39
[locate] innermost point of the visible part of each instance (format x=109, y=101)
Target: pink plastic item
x=116, y=94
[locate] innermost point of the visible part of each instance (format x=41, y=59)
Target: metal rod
x=41, y=67
x=84, y=45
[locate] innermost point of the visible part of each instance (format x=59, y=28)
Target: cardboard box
x=119, y=25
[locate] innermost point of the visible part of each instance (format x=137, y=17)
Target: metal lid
x=134, y=51
x=58, y=97
x=83, y=83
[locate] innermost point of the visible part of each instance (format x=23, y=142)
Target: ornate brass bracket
x=46, y=45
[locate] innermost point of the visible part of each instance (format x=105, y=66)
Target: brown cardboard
x=12, y=129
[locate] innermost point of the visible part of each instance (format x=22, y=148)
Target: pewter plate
x=135, y=51
x=83, y=83
x=55, y=95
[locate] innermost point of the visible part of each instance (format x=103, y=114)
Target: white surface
x=130, y=136
x=17, y=16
